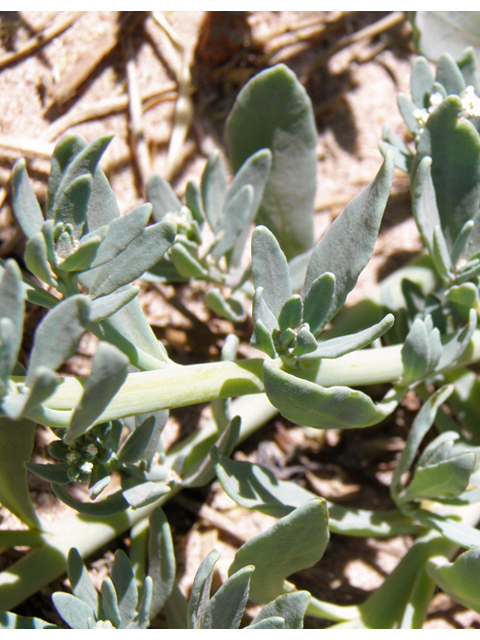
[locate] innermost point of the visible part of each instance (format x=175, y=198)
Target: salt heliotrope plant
x=418, y=332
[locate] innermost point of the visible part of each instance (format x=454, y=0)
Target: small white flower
x=86, y=467
x=92, y=450
x=470, y=103
x=422, y=115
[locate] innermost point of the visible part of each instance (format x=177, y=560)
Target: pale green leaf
x=25, y=204
x=273, y=111
x=293, y=543
x=311, y=405
x=270, y=270
x=348, y=244
x=14, y=494
x=109, y=371
x=161, y=560
x=58, y=335
x=75, y=612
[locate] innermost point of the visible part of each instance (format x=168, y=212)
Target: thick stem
x=46, y=563
x=177, y=386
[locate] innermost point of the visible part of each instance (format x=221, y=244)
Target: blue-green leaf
x=125, y=588
x=141, y=254
x=421, y=81
x=295, y=542
x=16, y=446
x=161, y=560
x=74, y=611
x=436, y=32
x=58, y=335
x=421, y=425
x=11, y=308
x=226, y=608
x=229, y=308
x=120, y=233
x=80, y=581
x=112, y=505
x=273, y=111
x=270, y=270
x=71, y=207
x=291, y=607
x=104, y=307
x=162, y=198
x=110, y=608
x=235, y=219
x=109, y=371
x=36, y=259
x=25, y=204
x=253, y=172
x=318, y=302
x=200, y=593
x=14, y=621
x=311, y=405
x=213, y=188
x=348, y=244
x=459, y=579
x=336, y=347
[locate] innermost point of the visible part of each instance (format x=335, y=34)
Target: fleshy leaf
x=348, y=244
x=109, y=370
x=36, y=259
x=235, y=219
x=311, y=405
x=455, y=176
x=230, y=308
x=25, y=204
x=253, y=172
x=200, y=593
x=273, y=111
x=80, y=581
x=121, y=232
x=14, y=494
x=125, y=588
x=438, y=31
x=270, y=270
x=106, y=306
x=58, y=335
x=74, y=611
x=226, y=608
x=213, y=188
x=336, y=347
x=318, y=302
x=112, y=505
x=293, y=543
x=161, y=560
x=141, y=254
x=459, y=579
x=162, y=198
x=291, y=607
x=12, y=308
x=71, y=207
x=421, y=425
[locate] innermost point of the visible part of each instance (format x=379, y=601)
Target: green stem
x=180, y=386
x=330, y=611
x=46, y=563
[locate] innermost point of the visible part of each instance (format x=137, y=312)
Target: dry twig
x=39, y=39
x=137, y=136
x=370, y=32
x=92, y=56
x=104, y=108
x=184, y=106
